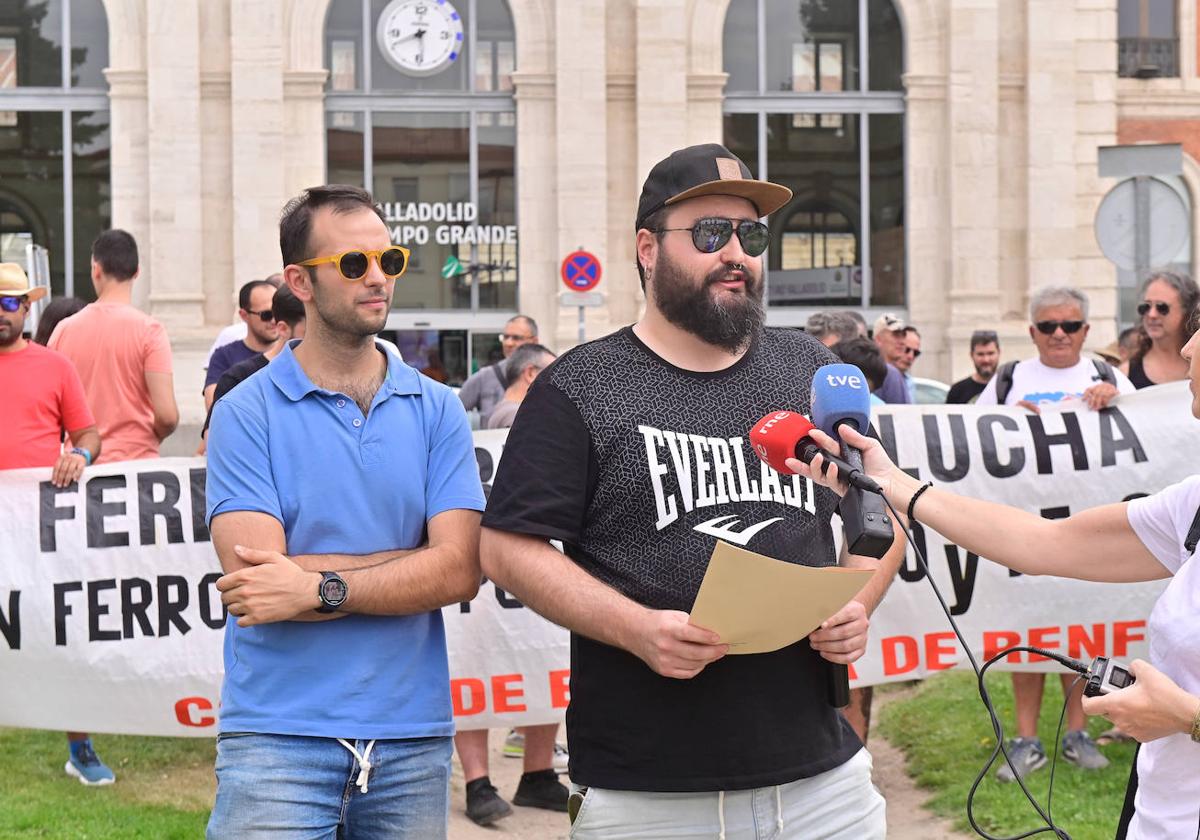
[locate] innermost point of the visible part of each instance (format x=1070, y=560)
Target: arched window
x=55, y=184
x=814, y=102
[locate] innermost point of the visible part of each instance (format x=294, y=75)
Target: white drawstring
x=721, y=813
x=364, y=762
x=779, y=808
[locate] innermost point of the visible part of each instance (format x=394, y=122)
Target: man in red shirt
x=43, y=397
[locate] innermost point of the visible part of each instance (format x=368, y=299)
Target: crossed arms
x=262, y=584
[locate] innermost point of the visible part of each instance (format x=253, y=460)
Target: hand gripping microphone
x=840, y=396
x=785, y=434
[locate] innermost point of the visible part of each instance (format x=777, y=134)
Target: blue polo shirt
x=341, y=483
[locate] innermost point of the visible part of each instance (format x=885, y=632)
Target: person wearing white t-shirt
x=1127, y=542
x=1059, y=377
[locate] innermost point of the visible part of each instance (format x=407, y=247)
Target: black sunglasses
x=11, y=304
x=711, y=235
x=1161, y=308
x=266, y=315
x=914, y=352
x=1069, y=327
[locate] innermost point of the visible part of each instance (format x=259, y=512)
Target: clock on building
x=420, y=37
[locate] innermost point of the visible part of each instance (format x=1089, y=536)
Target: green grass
x=164, y=788
x=945, y=733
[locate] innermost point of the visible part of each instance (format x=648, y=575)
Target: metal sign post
x=581, y=273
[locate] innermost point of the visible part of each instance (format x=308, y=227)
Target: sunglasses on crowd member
x=1159, y=306
x=11, y=304
x=353, y=265
x=1049, y=327
x=266, y=315
x=711, y=235
x=511, y=337
x=911, y=351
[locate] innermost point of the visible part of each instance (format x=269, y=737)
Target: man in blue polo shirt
x=343, y=500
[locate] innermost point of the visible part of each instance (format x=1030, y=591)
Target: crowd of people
x=335, y=708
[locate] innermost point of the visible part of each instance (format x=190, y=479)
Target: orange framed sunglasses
x=353, y=265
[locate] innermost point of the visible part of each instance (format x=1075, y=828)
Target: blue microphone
x=841, y=397
x=840, y=394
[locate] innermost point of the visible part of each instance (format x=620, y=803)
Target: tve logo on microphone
x=845, y=380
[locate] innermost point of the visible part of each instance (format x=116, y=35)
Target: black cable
x=997, y=728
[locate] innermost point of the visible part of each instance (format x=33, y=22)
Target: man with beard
x=343, y=501
x=632, y=450
x=43, y=398
x=985, y=356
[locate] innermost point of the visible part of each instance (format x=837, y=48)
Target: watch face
x=333, y=591
x=420, y=37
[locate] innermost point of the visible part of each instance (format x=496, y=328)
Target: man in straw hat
x=43, y=397
x=633, y=451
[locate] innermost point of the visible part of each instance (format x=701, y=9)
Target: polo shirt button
x=357, y=422
x=341, y=403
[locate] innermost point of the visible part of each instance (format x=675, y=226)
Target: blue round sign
x=581, y=271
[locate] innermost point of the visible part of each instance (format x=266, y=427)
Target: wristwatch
x=332, y=592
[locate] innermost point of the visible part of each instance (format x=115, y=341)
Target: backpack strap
x=1004, y=381
x=1193, y=534
x=1105, y=371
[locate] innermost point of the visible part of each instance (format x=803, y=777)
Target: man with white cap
x=43, y=398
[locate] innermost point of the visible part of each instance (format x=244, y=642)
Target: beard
x=729, y=325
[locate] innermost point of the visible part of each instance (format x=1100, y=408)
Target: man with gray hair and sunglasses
x=1059, y=377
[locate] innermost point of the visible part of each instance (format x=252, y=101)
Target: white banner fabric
x=110, y=620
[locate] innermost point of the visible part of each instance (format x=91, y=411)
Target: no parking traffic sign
x=581, y=271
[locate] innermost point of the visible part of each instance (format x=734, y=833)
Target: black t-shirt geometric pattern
x=639, y=467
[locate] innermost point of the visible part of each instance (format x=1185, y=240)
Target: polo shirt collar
x=290, y=378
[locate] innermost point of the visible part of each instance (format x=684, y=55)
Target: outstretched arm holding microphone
x=1147, y=539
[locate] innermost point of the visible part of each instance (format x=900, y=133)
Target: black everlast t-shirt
x=639, y=467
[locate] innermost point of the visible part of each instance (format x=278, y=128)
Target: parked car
x=929, y=391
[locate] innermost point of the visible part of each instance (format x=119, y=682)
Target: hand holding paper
x=757, y=604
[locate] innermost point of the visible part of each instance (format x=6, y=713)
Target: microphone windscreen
x=775, y=436
x=840, y=393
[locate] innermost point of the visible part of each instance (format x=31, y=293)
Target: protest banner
x=110, y=620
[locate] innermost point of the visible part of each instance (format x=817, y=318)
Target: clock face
x=420, y=37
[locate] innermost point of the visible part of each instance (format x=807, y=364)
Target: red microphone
x=785, y=434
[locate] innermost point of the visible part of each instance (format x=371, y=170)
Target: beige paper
x=758, y=604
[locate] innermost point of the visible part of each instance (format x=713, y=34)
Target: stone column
x=257, y=121
x=662, y=81
x=1095, y=32
x=973, y=107
x=126, y=75
x=620, y=283
x=175, y=246
x=581, y=165
x=537, y=153
x=174, y=252
x=1051, y=117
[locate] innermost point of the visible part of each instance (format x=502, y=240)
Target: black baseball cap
x=707, y=169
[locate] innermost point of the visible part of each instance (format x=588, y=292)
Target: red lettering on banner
x=560, y=688
x=851, y=672
x=1123, y=634
x=475, y=699
x=186, y=708
x=1080, y=643
x=995, y=641
x=502, y=693
x=935, y=650
x=892, y=647
x=1045, y=638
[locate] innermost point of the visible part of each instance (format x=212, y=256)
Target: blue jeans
x=301, y=788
